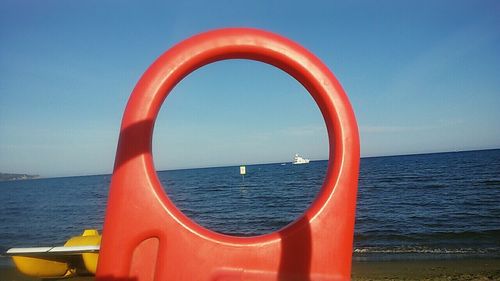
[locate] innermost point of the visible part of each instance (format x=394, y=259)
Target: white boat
x=297, y=159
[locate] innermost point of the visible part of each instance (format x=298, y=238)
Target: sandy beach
x=466, y=269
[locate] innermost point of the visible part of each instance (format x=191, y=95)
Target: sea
x=427, y=206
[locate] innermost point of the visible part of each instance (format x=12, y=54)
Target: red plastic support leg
x=147, y=238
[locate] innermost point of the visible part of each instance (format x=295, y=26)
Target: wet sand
x=466, y=269
x=461, y=269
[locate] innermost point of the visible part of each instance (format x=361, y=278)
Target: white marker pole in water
x=243, y=171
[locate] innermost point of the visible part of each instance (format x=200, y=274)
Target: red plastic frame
x=146, y=237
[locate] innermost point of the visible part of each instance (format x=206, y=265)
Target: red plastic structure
x=146, y=237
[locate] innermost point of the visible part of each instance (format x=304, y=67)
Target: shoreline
x=450, y=269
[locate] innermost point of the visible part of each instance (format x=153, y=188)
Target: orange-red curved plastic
x=145, y=236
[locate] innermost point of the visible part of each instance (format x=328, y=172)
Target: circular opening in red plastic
x=237, y=113
x=134, y=159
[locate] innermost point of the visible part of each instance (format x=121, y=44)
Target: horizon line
x=268, y=163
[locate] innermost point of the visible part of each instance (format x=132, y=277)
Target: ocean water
x=443, y=205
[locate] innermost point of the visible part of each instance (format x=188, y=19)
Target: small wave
x=431, y=236
x=436, y=185
x=424, y=250
x=492, y=182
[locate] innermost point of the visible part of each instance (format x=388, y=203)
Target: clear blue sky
x=422, y=76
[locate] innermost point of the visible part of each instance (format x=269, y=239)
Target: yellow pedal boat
x=78, y=256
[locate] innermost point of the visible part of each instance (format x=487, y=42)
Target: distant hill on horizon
x=12, y=177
